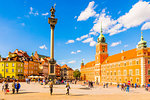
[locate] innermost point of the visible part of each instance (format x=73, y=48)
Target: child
x=67, y=87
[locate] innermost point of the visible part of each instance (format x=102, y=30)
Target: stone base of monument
x=52, y=77
x=52, y=64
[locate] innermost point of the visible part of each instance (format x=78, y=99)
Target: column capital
x=52, y=26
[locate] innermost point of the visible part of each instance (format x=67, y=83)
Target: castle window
x=122, y=58
x=131, y=80
x=137, y=71
x=111, y=73
x=119, y=72
x=149, y=72
x=114, y=72
x=120, y=79
x=125, y=72
x=107, y=73
x=119, y=65
x=137, y=62
x=137, y=80
x=130, y=72
x=130, y=63
x=148, y=61
x=125, y=64
x=125, y=79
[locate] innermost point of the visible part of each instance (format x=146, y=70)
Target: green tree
x=76, y=74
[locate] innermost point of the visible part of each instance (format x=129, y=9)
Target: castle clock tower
x=101, y=49
x=100, y=56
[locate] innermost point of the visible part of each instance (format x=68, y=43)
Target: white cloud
x=78, y=51
x=63, y=63
x=23, y=24
x=70, y=41
x=125, y=45
x=71, y=62
x=88, y=12
x=90, y=40
x=43, y=47
x=82, y=37
x=115, y=43
x=92, y=43
x=146, y=26
x=75, y=28
x=73, y=52
x=45, y=14
x=139, y=13
x=107, y=23
x=93, y=33
x=33, y=13
x=75, y=17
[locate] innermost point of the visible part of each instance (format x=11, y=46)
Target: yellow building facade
x=11, y=69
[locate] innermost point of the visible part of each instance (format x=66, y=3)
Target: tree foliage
x=76, y=74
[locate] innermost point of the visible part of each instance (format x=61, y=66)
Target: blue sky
x=24, y=26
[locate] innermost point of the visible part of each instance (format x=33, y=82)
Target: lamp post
x=52, y=63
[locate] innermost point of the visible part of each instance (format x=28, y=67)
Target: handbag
x=7, y=90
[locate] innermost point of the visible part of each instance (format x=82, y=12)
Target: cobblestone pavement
x=35, y=91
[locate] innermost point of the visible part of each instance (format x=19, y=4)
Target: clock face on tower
x=103, y=48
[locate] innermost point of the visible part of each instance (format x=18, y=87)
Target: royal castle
x=128, y=66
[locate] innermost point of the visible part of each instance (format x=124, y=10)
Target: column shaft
x=52, y=42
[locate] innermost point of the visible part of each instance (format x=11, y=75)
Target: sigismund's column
x=52, y=63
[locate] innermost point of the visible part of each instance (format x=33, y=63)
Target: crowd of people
x=15, y=87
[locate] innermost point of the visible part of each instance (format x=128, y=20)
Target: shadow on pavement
x=27, y=92
x=77, y=94
x=85, y=88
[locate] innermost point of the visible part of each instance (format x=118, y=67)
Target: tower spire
x=101, y=38
x=142, y=36
x=101, y=28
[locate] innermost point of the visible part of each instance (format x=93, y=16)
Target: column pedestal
x=52, y=65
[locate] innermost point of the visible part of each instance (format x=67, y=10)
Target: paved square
x=35, y=91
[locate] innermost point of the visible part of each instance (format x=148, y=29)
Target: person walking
x=3, y=83
x=127, y=88
x=6, y=87
x=135, y=85
x=13, y=86
x=122, y=87
x=44, y=83
x=106, y=85
x=103, y=85
x=68, y=88
x=51, y=87
x=17, y=86
x=118, y=86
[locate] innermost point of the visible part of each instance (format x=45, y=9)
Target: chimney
x=16, y=50
x=122, y=51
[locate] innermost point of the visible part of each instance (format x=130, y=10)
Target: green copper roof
x=32, y=54
x=101, y=38
x=82, y=61
x=142, y=43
